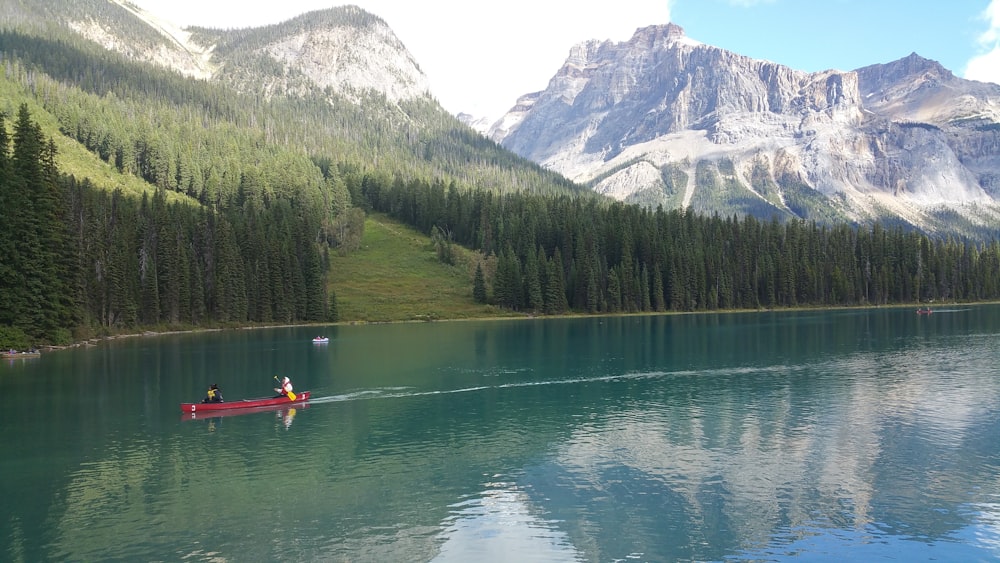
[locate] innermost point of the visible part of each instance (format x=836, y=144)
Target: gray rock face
x=344, y=50
x=665, y=120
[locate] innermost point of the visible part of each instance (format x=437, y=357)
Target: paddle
x=291, y=396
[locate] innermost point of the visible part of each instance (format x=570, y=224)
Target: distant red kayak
x=246, y=403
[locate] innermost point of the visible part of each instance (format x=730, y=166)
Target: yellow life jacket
x=211, y=393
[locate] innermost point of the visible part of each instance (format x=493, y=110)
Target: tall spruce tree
x=533, y=283
x=8, y=221
x=479, y=285
x=41, y=299
x=555, y=288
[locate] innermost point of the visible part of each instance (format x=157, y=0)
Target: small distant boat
x=926, y=311
x=320, y=340
x=15, y=354
x=246, y=403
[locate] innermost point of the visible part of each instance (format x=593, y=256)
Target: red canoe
x=284, y=410
x=246, y=403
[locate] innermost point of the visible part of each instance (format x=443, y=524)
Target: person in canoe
x=214, y=395
x=286, y=388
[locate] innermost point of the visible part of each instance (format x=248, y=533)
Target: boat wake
x=408, y=392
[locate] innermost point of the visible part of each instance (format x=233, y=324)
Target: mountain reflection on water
x=858, y=434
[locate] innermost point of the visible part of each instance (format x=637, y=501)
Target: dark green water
x=815, y=436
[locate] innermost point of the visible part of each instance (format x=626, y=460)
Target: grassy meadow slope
x=396, y=276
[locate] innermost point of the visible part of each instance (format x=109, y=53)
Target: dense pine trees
x=248, y=200
x=213, y=143
x=556, y=253
x=76, y=257
x=35, y=260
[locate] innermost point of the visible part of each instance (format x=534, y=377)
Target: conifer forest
x=133, y=198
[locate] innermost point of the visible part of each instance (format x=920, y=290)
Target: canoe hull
x=281, y=409
x=246, y=403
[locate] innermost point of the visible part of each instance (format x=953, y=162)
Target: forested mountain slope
x=135, y=195
x=364, y=108
x=181, y=201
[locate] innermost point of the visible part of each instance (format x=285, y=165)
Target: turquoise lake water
x=775, y=436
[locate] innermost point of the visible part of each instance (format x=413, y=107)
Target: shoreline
x=94, y=341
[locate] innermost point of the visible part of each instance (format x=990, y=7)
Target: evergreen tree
x=479, y=285
x=659, y=302
x=9, y=210
x=592, y=277
x=614, y=291
x=644, y=289
x=40, y=298
x=148, y=268
x=533, y=283
x=20, y=308
x=508, y=287
x=555, y=290
x=543, y=272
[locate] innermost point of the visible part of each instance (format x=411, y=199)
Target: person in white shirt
x=286, y=387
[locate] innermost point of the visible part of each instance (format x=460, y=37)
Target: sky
x=479, y=57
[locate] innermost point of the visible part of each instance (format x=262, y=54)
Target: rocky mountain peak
x=912, y=70
x=915, y=89
x=914, y=65
x=665, y=120
x=344, y=50
x=658, y=36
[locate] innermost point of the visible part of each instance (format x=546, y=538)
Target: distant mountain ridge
x=345, y=49
x=665, y=120
x=333, y=85
x=661, y=119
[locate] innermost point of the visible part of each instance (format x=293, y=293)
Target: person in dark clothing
x=214, y=395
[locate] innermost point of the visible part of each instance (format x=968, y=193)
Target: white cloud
x=992, y=15
x=479, y=57
x=480, y=61
x=985, y=66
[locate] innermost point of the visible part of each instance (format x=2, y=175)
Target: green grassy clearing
x=396, y=276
